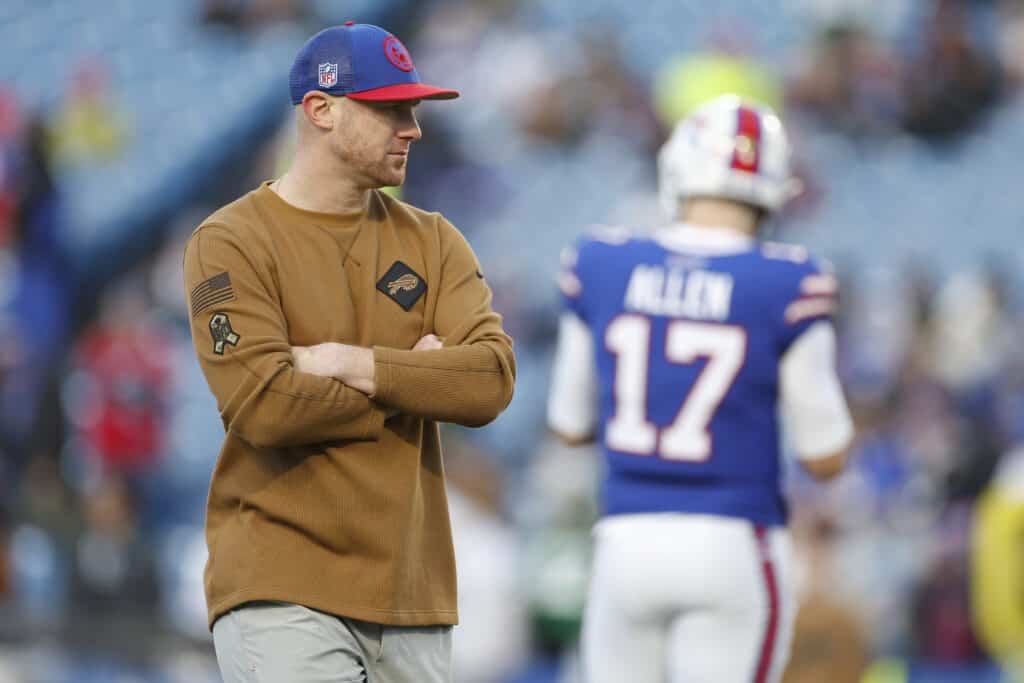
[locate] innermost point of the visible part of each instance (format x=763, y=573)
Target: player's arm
x=470, y=380
x=826, y=467
x=240, y=337
x=814, y=410
x=572, y=401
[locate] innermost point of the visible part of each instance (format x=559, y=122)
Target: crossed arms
x=352, y=365
x=271, y=394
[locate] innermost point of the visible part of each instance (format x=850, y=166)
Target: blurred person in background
x=88, y=126
x=595, y=92
x=120, y=378
x=492, y=638
x=9, y=156
x=336, y=327
x=954, y=76
x=941, y=614
x=36, y=299
x=971, y=338
x=997, y=563
x=114, y=571
x=36, y=296
x=849, y=80
x=678, y=352
x=557, y=515
x=1011, y=41
x=829, y=639
x=726, y=66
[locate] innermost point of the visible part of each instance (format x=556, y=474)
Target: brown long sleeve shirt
x=319, y=497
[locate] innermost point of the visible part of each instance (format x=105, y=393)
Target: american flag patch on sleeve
x=209, y=293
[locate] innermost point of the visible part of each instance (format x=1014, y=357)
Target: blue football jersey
x=688, y=347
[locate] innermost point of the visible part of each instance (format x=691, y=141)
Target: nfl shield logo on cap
x=328, y=75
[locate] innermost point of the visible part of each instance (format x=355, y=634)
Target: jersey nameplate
x=699, y=294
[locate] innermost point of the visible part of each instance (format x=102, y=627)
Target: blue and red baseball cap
x=360, y=61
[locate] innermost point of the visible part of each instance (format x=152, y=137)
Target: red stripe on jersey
x=810, y=307
x=764, y=662
x=747, y=155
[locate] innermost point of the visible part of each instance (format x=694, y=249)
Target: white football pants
x=678, y=598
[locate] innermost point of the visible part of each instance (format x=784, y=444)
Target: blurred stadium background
x=124, y=122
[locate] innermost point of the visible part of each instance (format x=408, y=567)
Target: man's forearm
x=353, y=365
x=467, y=384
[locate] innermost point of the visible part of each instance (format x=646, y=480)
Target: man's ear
x=317, y=108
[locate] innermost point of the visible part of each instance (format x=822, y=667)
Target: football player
x=688, y=354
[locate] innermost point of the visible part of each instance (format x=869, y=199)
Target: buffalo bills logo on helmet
x=397, y=54
x=328, y=75
x=746, y=151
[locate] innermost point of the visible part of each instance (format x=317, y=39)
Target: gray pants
x=273, y=642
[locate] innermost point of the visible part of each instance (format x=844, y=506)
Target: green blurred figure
x=88, y=127
x=686, y=81
x=997, y=575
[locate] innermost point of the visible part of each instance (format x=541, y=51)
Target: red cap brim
x=404, y=91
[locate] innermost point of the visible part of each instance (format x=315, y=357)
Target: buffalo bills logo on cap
x=328, y=75
x=397, y=54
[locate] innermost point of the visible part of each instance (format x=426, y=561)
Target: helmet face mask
x=727, y=149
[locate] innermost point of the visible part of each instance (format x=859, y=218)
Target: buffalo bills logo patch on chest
x=402, y=285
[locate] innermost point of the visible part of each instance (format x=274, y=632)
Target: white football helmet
x=727, y=148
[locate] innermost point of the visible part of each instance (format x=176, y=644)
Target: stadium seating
x=190, y=95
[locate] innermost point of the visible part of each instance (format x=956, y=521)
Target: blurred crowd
x=935, y=82
x=108, y=432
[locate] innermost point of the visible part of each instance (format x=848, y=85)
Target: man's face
x=373, y=139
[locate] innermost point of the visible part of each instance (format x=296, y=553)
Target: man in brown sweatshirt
x=336, y=327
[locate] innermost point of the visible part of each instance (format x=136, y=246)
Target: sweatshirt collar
x=705, y=240
x=325, y=219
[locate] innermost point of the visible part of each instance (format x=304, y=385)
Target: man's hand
x=428, y=343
